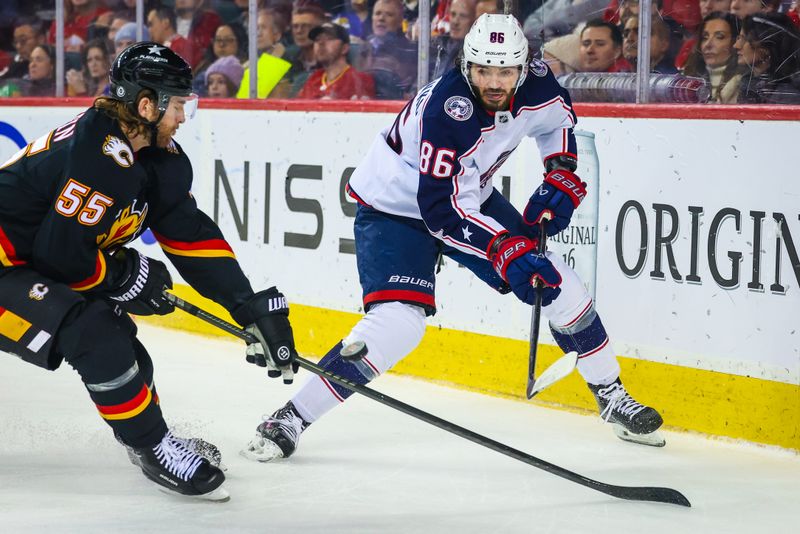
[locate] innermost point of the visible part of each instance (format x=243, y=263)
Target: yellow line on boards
x=709, y=402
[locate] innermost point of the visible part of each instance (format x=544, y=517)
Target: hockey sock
x=390, y=330
x=107, y=365
x=586, y=335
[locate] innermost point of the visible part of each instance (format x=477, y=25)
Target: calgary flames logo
x=127, y=225
x=38, y=291
x=119, y=151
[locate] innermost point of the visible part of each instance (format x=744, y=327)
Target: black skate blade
x=653, y=439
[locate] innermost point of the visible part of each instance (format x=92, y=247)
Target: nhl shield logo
x=538, y=67
x=458, y=107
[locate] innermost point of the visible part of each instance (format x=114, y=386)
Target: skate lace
x=620, y=401
x=289, y=422
x=177, y=457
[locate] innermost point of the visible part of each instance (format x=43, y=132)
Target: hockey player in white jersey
x=425, y=188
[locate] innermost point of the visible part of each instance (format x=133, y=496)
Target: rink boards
x=706, y=328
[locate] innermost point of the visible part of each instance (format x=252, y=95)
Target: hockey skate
x=277, y=436
x=174, y=466
x=631, y=420
x=207, y=450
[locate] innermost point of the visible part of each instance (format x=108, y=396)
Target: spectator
x=560, y=17
x=709, y=6
x=161, y=23
x=715, y=59
x=92, y=80
x=305, y=17
x=272, y=65
x=445, y=48
x=562, y=54
x=357, y=18
x=27, y=35
x=229, y=40
x=197, y=26
x=79, y=14
x=601, y=48
x=440, y=23
x=706, y=7
x=487, y=6
x=223, y=77
x=126, y=36
x=742, y=8
x=794, y=13
x=660, y=61
x=116, y=23
x=390, y=57
x=41, y=78
x=768, y=46
x=335, y=79
x=685, y=12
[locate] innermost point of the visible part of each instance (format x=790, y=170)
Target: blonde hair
x=129, y=119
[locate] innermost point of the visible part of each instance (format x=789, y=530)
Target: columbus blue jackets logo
x=538, y=67
x=458, y=107
x=119, y=151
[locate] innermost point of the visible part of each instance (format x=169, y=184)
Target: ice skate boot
x=631, y=420
x=207, y=450
x=277, y=436
x=174, y=466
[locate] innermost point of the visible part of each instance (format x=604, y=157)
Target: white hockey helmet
x=496, y=41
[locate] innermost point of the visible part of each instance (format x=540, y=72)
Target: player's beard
x=501, y=104
x=164, y=136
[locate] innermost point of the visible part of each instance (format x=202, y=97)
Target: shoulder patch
x=458, y=107
x=118, y=150
x=538, y=67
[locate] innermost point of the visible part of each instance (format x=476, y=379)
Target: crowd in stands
x=748, y=51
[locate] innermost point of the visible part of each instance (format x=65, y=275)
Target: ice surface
x=364, y=467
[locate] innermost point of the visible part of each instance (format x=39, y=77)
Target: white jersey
x=436, y=161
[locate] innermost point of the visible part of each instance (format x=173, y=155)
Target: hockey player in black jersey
x=69, y=203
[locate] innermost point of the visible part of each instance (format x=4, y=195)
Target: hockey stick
x=564, y=365
x=653, y=494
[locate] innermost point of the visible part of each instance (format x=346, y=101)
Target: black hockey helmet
x=149, y=65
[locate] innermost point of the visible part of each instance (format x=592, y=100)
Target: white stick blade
x=560, y=369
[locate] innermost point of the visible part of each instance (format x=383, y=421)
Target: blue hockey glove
x=516, y=261
x=266, y=315
x=558, y=196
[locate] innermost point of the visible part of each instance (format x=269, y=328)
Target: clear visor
x=186, y=105
x=190, y=106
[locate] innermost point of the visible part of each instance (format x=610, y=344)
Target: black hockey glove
x=143, y=283
x=266, y=315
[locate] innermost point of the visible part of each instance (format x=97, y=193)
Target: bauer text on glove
x=515, y=260
x=558, y=196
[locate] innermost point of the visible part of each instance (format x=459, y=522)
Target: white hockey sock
x=390, y=330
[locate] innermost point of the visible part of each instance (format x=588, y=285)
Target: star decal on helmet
x=155, y=49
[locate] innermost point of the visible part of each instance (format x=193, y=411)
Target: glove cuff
x=267, y=302
x=569, y=183
x=508, y=250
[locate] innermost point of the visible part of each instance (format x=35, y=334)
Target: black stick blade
x=665, y=495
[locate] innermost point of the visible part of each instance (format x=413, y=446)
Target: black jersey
x=74, y=196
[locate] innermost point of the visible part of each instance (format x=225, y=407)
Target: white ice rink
x=364, y=467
